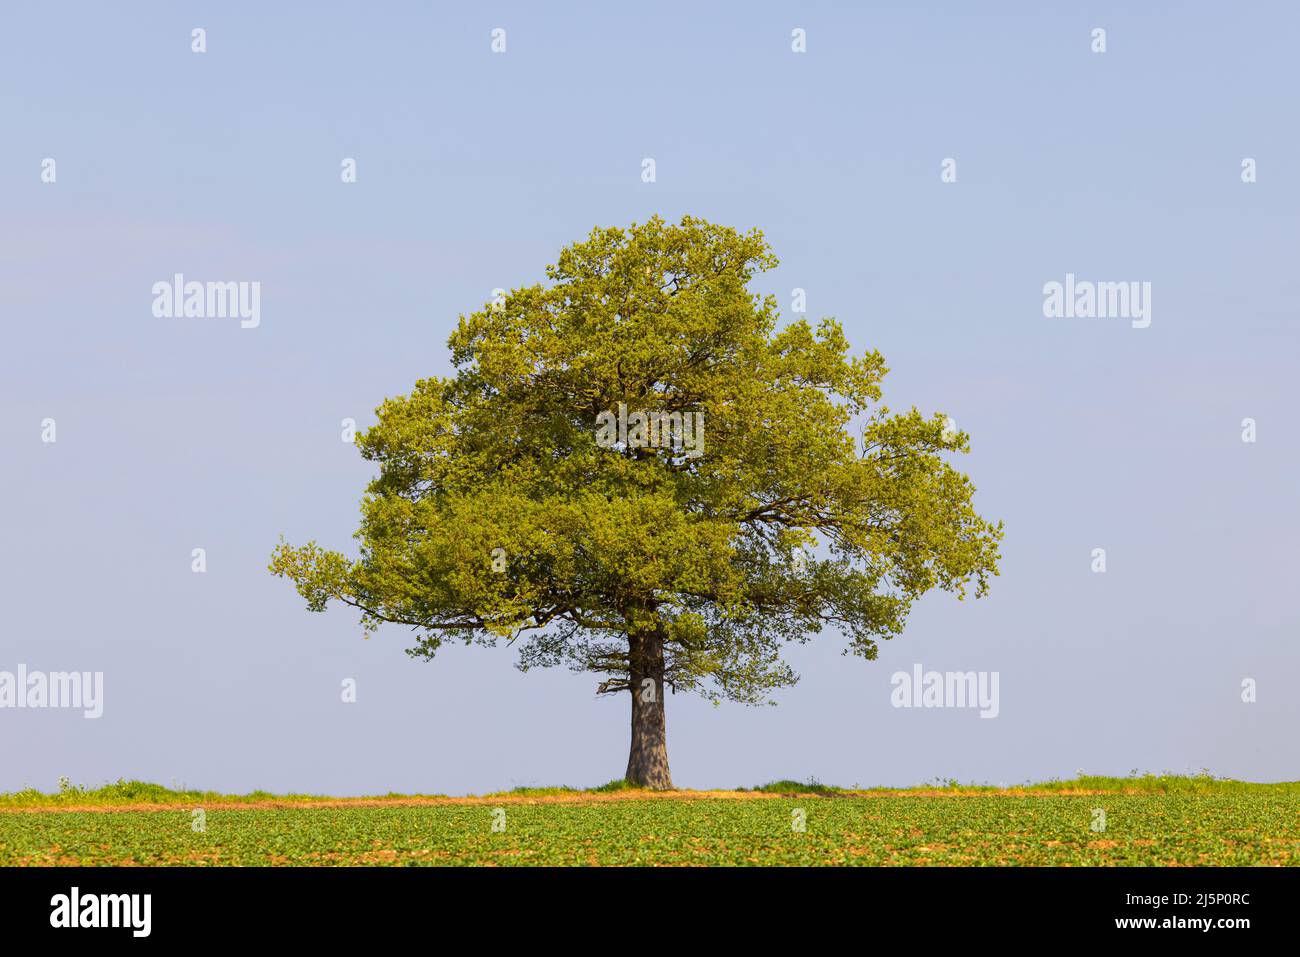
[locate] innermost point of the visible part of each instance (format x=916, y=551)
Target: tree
x=634, y=472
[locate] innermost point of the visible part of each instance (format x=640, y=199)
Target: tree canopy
x=498, y=513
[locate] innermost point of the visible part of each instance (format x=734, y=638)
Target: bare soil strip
x=229, y=804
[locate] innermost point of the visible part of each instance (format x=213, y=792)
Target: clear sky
x=474, y=168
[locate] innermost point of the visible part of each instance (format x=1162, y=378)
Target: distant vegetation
x=143, y=793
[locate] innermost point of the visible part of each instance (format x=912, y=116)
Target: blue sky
x=474, y=168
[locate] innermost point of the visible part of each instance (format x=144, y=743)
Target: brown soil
x=580, y=798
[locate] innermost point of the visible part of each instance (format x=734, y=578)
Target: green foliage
x=123, y=792
x=618, y=784
x=787, y=786
x=1246, y=828
x=597, y=543
x=1204, y=783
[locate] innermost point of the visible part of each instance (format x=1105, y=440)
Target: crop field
x=1062, y=824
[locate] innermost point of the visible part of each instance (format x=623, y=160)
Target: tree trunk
x=647, y=761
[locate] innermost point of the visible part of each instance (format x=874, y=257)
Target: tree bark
x=647, y=761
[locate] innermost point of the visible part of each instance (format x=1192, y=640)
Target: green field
x=1182, y=821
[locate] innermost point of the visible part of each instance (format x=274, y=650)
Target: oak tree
x=639, y=471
